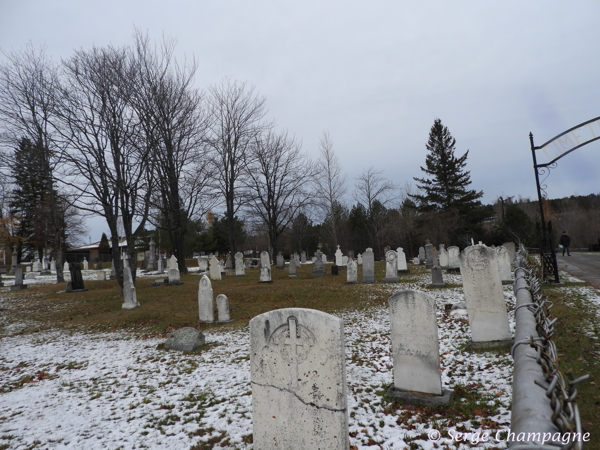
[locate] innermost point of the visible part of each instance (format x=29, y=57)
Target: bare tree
x=236, y=122
x=330, y=183
x=174, y=121
x=375, y=193
x=109, y=162
x=277, y=180
x=28, y=80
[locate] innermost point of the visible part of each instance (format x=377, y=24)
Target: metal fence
x=544, y=407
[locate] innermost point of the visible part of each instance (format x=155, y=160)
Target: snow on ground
x=99, y=391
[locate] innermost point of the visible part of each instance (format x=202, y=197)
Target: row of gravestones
x=298, y=361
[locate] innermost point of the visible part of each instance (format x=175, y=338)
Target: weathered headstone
x=338, y=256
x=453, y=261
x=223, y=309
x=298, y=371
x=66, y=267
x=280, y=261
x=101, y=275
x=344, y=260
x=359, y=260
x=205, y=300
x=53, y=266
x=429, y=255
x=422, y=257
x=18, y=280
x=202, y=264
x=160, y=263
x=416, y=261
x=443, y=257
x=185, y=339
x=129, y=293
x=44, y=264
x=265, y=268
x=152, y=264
x=484, y=296
x=368, y=258
x=415, y=348
x=351, y=272
x=402, y=266
x=437, y=277
x=215, y=269
x=297, y=259
x=303, y=257
x=27, y=269
x=228, y=262
x=172, y=263
x=265, y=260
x=174, y=276
x=324, y=258
x=504, y=265
x=85, y=264
x=240, y=270
x=31, y=275
x=391, y=267
x=510, y=247
x=318, y=267
x=292, y=268
x=37, y=266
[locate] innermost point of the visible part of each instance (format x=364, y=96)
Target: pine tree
x=445, y=189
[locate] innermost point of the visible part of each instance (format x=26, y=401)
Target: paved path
x=585, y=266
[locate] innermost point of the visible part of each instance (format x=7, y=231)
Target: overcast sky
x=376, y=74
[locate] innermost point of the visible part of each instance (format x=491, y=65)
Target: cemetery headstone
x=402, y=266
x=265, y=260
x=223, y=309
x=504, y=265
x=185, y=339
x=160, y=264
x=344, y=261
x=303, y=257
x=85, y=264
x=359, y=260
x=350, y=254
x=37, y=266
x=45, y=263
x=488, y=317
x=422, y=256
x=324, y=258
x=205, y=300
x=215, y=269
x=437, y=278
x=453, y=261
x=297, y=259
x=391, y=267
x=27, y=269
x=265, y=268
x=368, y=258
x=351, y=272
x=510, y=247
x=18, y=280
x=174, y=276
x=101, y=275
x=335, y=270
x=76, y=282
x=228, y=262
x=152, y=264
x=429, y=255
x=66, y=267
x=318, y=267
x=240, y=270
x=13, y=264
x=129, y=293
x=202, y=264
x=443, y=257
x=415, y=348
x=338, y=256
x=298, y=373
x=172, y=263
x=30, y=275
x=53, y=266
x=292, y=268
x=280, y=261
x=415, y=260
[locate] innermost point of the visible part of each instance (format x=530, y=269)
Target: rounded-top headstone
x=185, y=339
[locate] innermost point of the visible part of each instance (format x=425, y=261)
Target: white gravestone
x=85, y=264
x=215, y=269
x=401, y=261
x=174, y=277
x=359, y=259
x=416, y=261
x=484, y=296
x=443, y=257
x=53, y=266
x=338, y=257
x=101, y=275
x=161, y=268
x=265, y=268
x=303, y=257
x=368, y=266
x=240, y=270
x=344, y=261
x=504, y=265
x=298, y=371
x=37, y=267
x=264, y=259
x=66, y=267
x=297, y=259
x=292, y=268
x=129, y=294
x=324, y=258
x=415, y=346
x=351, y=272
x=510, y=246
x=391, y=267
x=229, y=263
x=172, y=262
x=223, y=308
x=453, y=261
x=205, y=300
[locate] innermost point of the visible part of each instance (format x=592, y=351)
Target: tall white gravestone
x=391, y=267
x=488, y=317
x=415, y=346
x=215, y=269
x=265, y=268
x=240, y=269
x=351, y=272
x=402, y=266
x=85, y=264
x=298, y=371
x=443, y=257
x=205, y=300
x=338, y=257
x=173, y=273
x=504, y=265
x=368, y=266
x=129, y=293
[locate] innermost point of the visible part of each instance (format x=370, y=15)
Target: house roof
x=93, y=245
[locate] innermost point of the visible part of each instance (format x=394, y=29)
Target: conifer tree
x=445, y=188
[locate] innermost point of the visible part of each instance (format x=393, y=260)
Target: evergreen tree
x=446, y=187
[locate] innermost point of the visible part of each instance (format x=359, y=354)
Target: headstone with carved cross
x=298, y=373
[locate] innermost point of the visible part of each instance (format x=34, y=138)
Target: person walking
x=565, y=241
